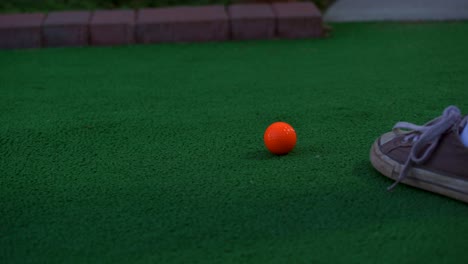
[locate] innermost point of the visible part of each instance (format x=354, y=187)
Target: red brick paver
x=112, y=27
x=251, y=21
x=182, y=24
x=298, y=20
x=69, y=28
x=238, y=21
x=21, y=30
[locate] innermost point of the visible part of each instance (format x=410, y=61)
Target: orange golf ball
x=280, y=138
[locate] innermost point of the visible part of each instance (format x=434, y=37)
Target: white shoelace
x=426, y=137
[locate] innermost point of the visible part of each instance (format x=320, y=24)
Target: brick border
x=298, y=20
x=69, y=28
x=182, y=24
x=21, y=30
x=112, y=27
x=252, y=21
x=170, y=24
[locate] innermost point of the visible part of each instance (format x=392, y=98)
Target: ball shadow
x=266, y=155
x=260, y=155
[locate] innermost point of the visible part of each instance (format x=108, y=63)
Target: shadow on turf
x=260, y=155
x=266, y=155
x=375, y=180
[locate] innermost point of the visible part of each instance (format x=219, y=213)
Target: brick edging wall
x=155, y=25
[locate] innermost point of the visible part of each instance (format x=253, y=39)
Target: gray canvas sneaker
x=431, y=157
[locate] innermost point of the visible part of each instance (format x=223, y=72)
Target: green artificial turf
x=154, y=154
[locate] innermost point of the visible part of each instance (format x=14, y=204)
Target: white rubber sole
x=441, y=184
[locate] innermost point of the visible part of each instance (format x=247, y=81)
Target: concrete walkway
x=397, y=10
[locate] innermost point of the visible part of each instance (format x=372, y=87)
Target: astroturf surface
x=154, y=154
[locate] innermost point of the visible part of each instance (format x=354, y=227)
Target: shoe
x=431, y=157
